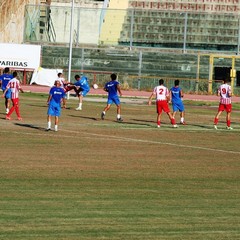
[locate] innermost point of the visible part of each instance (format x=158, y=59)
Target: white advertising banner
x=20, y=56
x=45, y=77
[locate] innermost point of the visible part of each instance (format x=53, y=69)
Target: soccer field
x=99, y=179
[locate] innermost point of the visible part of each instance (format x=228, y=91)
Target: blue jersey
x=5, y=78
x=57, y=94
x=111, y=88
x=83, y=83
x=176, y=94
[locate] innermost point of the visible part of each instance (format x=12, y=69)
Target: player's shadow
x=90, y=118
x=40, y=106
x=200, y=126
x=30, y=126
x=133, y=123
x=140, y=120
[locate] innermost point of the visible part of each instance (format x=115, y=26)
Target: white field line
x=161, y=143
x=107, y=137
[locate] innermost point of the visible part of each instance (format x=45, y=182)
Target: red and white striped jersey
x=161, y=93
x=225, y=93
x=62, y=81
x=14, y=86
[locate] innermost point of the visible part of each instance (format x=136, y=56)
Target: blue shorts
x=113, y=100
x=54, y=110
x=8, y=94
x=178, y=106
x=84, y=92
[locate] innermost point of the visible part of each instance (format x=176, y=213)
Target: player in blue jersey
x=4, y=79
x=55, y=98
x=176, y=95
x=113, y=88
x=83, y=88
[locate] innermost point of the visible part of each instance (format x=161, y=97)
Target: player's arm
x=49, y=98
x=150, y=99
x=4, y=92
x=119, y=90
x=105, y=88
x=21, y=90
x=64, y=102
x=169, y=98
x=181, y=93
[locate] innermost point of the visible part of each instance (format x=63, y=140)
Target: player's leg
x=48, y=122
x=57, y=113
x=174, y=114
x=7, y=104
x=159, y=119
x=182, y=113
x=221, y=108
x=50, y=113
x=82, y=94
x=175, y=109
x=116, y=100
x=10, y=111
x=159, y=112
x=56, y=123
x=119, y=119
x=7, y=100
x=217, y=118
x=109, y=103
x=172, y=120
x=16, y=102
x=167, y=111
x=228, y=117
x=104, y=111
x=80, y=100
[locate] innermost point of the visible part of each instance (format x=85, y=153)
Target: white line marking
x=107, y=137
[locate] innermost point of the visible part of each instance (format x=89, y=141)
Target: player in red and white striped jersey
x=225, y=104
x=14, y=86
x=162, y=98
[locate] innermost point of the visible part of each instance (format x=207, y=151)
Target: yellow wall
x=113, y=20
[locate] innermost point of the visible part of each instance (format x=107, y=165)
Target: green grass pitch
x=97, y=179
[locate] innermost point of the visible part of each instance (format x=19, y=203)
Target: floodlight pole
x=70, y=46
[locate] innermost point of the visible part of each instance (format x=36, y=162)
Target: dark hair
x=59, y=74
x=6, y=70
x=176, y=82
x=14, y=74
x=161, y=81
x=57, y=82
x=226, y=80
x=77, y=76
x=113, y=76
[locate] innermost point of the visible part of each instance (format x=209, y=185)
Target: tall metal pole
x=70, y=45
x=185, y=32
x=238, y=45
x=139, y=70
x=131, y=32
